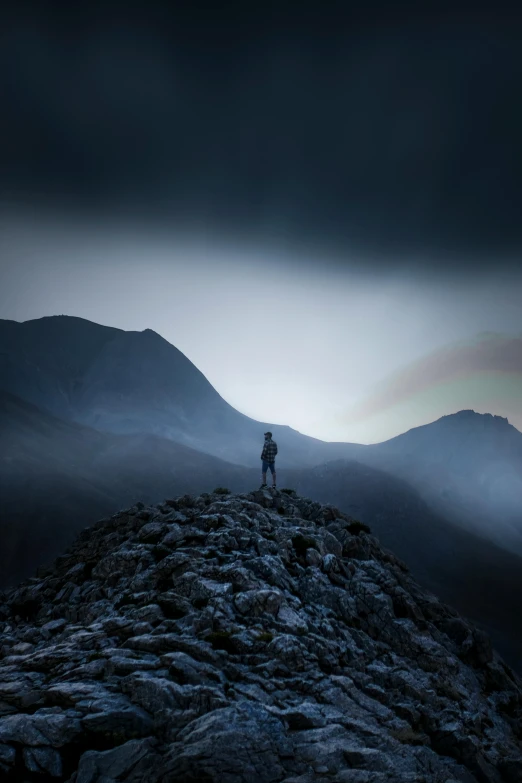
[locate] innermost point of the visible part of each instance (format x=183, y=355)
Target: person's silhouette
x=268, y=456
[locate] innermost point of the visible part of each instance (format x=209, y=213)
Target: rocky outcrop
x=246, y=638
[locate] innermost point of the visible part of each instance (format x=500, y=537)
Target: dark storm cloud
x=395, y=133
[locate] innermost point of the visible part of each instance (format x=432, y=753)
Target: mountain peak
x=63, y=318
x=469, y=414
x=453, y=424
x=215, y=634
x=130, y=382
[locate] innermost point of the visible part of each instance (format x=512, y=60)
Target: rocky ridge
x=253, y=638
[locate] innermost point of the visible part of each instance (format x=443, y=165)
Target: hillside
x=482, y=580
x=258, y=637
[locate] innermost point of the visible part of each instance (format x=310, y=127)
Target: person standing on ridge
x=268, y=456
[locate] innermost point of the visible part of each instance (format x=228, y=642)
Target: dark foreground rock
x=256, y=638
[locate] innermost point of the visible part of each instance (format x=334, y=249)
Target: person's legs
x=263, y=473
x=272, y=471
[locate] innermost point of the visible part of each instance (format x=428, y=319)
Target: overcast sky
x=302, y=202
x=280, y=339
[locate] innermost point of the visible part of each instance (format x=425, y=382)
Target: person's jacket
x=269, y=451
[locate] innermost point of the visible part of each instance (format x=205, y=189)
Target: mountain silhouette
x=467, y=466
x=136, y=382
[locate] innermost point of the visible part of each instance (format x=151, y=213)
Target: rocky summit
x=252, y=638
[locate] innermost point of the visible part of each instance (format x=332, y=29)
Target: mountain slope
x=136, y=382
x=481, y=580
x=255, y=637
x=55, y=476
x=43, y=361
x=467, y=466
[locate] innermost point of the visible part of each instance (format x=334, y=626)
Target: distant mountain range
x=483, y=373
x=467, y=465
x=136, y=382
x=94, y=418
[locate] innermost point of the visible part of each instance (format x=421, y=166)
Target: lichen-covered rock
x=256, y=638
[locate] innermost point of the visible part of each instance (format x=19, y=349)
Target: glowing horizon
x=283, y=338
